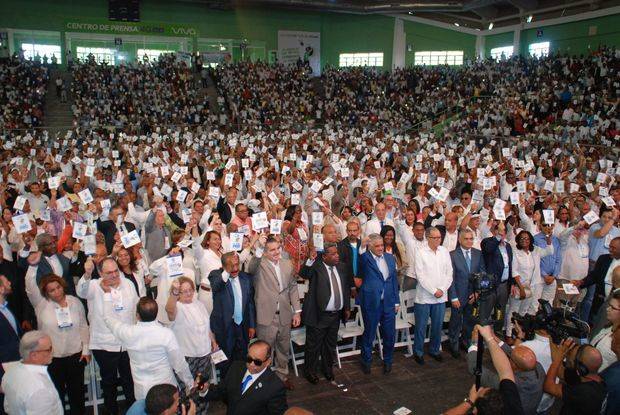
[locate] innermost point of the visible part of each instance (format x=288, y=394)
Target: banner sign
x=130, y=28
x=294, y=45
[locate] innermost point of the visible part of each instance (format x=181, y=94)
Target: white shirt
x=433, y=270
x=382, y=265
x=55, y=264
x=66, y=340
x=541, y=347
x=32, y=289
x=153, y=352
x=101, y=338
x=252, y=379
x=610, y=272
x=450, y=240
x=602, y=341
x=207, y=261
x=332, y=297
x=574, y=255
x=374, y=226
x=29, y=390
x=192, y=330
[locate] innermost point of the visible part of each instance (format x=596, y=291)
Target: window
x=361, y=59
x=496, y=53
x=100, y=54
x=31, y=50
x=153, y=54
x=538, y=50
x=443, y=57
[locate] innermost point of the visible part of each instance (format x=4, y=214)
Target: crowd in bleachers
x=138, y=95
x=22, y=93
x=216, y=236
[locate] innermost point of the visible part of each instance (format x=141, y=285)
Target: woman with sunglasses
x=62, y=317
x=602, y=339
x=526, y=272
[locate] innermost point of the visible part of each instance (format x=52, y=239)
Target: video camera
x=560, y=322
x=482, y=283
x=485, y=308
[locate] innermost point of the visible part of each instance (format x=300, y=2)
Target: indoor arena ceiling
x=477, y=14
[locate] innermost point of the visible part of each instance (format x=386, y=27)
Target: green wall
x=424, y=37
x=497, y=40
x=573, y=38
x=339, y=32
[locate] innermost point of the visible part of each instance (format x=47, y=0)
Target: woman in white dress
x=190, y=324
x=208, y=256
x=526, y=271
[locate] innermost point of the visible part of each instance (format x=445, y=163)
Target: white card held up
x=64, y=204
x=317, y=218
x=79, y=230
x=570, y=289
x=218, y=357
x=181, y=195
x=316, y=186
x=590, y=217
x=130, y=239
x=236, y=241
x=259, y=221
x=609, y=201
x=214, y=192
x=89, y=245
x=53, y=182
x=549, y=216
x=317, y=240
x=275, y=226
x=295, y=199
x=20, y=201
x=514, y=198
x=85, y=196
x=228, y=180
x=175, y=265
x=21, y=223
x=89, y=171
x=274, y=198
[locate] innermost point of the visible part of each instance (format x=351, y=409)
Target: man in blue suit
x=233, y=319
x=10, y=332
x=466, y=260
x=497, y=254
x=379, y=301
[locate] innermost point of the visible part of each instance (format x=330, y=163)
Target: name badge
x=63, y=316
x=117, y=299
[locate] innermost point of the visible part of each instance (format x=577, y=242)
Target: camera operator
x=538, y=342
x=582, y=390
x=529, y=374
x=161, y=400
x=611, y=376
x=484, y=401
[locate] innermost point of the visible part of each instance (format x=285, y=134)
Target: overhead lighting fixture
x=529, y=18
x=491, y=26
x=410, y=12
x=456, y=24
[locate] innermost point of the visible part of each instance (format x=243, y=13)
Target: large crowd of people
x=165, y=254
x=137, y=96
x=22, y=96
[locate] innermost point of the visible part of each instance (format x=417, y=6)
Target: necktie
x=335, y=289
x=247, y=380
x=382, y=224
x=468, y=260
x=238, y=313
x=354, y=250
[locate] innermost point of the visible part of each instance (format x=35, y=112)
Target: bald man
x=611, y=376
x=582, y=390
x=529, y=374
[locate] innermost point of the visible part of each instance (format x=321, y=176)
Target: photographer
x=505, y=399
x=529, y=374
x=583, y=390
x=161, y=400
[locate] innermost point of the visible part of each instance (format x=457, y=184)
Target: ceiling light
x=456, y=24
x=529, y=18
x=491, y=26
x=410, y=12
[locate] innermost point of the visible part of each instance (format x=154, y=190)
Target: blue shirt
x=597, y=245
x=551, y=264
x=4, y=309
x=138, y=408
x=505, y=258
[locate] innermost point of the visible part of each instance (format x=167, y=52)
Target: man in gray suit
x=277, y=301
x=466, y=260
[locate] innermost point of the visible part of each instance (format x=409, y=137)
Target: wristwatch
x=469, y=402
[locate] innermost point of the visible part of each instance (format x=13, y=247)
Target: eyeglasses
x=48, y=350
x=434, y=237
x=613, y=308
x=257, y=362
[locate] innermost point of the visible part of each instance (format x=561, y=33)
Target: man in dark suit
x=251, y=388
x=325, y=304
x=233, y=319
x=349, y=250
x=497, y=255
x=379, y=301
x=466, y=260
x=109, y=227
x=226, y=205
x=49, y=261
x=10, y=332
x=601, y=275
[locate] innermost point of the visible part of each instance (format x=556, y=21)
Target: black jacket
x=266, y=396
x=319, y=292
x=597, y=277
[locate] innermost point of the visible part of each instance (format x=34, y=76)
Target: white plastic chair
x=350, y=330
x=298, y=337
